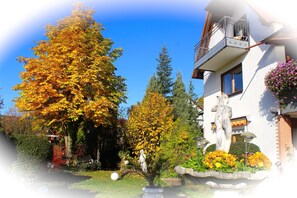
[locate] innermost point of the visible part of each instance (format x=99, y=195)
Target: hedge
x=32, y=153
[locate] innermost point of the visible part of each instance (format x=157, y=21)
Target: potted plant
x=282, y=82
x=148, y=124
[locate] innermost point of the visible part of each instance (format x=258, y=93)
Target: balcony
x=228, y=40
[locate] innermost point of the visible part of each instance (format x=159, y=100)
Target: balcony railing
x=227, y=32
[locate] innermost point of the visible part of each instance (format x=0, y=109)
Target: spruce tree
x=164, y=71
x=180, y=98
x=192, y=94
x=185, y=105
x=193, y=111
x=153, y=85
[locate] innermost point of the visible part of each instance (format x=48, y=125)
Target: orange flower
x=259, y=160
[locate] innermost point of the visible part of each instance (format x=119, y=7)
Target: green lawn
x=131, y=187
x=101, y=183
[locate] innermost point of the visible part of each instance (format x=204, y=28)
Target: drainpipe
x=267, y=39
x=259, y=43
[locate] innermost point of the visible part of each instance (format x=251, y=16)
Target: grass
x=131, y=187
x=101, y=183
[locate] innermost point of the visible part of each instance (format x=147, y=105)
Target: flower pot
x=152, y=192
x=291, y=97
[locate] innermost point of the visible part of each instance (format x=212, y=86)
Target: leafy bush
x=196, y=162
x=210, y=148
x=238, y=149
x=32, y=153
x=178, y=147
x=220, y=161
x=89, y=166
x=58, y=156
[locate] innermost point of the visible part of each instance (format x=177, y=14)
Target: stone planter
x=214, y=179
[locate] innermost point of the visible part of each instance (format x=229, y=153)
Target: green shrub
x=178, y=147
x=32, y=153
x=196, y=162
x=210, y=148
x=89, y=166
x=237, y=149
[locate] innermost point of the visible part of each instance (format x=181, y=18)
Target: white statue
x=223, y=123
x=142, y=162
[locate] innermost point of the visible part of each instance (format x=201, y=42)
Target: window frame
x=232, y=72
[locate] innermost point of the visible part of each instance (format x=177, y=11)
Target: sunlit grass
x=101, y=183
x=131, y=187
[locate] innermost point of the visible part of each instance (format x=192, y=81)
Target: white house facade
x=239, y=46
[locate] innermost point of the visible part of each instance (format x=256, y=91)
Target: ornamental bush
x=282, y=80
x=238, y=149
x=210, y=148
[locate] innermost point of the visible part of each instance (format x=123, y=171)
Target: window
x=237, y=138
x=236, y=133
x=232, y=81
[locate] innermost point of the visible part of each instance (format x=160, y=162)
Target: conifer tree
x=180, y=143
x=153, y=85
x=164, y=71
x=192, y=94
x=193, y=110
x=180, y=98
x=1, y=103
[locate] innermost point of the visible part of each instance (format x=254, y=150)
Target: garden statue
x=142, y=162
x=223, y=123
x=201, y=143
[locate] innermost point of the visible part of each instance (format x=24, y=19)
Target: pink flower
x=282, y=80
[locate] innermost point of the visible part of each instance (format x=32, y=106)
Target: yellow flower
x=218, y=165
x=219, y=160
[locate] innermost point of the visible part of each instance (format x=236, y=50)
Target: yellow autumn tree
x=71, y=78
x=149, y=122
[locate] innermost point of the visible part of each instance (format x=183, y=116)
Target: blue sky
x=141, y=29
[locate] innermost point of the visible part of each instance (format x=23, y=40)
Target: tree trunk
x=151, y=179
x=98, y=150
x=68, y=143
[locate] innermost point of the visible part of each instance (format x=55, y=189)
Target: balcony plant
x=282, y=82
